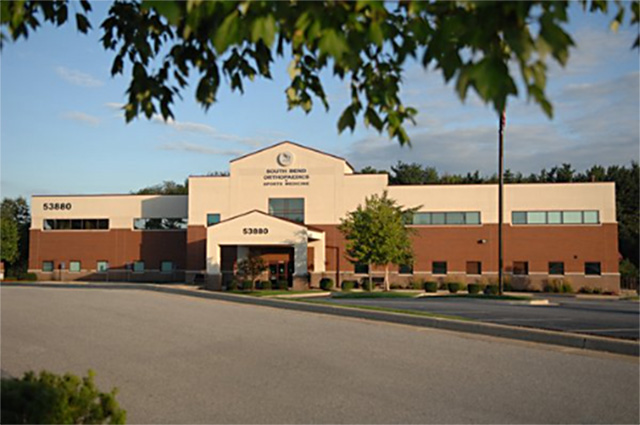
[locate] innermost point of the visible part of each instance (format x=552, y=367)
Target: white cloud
x=194, y=127
x=81, y=117
x=114, y=105
x=199, y=149
x=78, y=78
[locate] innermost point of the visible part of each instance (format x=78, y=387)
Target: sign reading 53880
x=56, y=206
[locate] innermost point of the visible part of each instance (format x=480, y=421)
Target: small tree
x=376, y=234
x=251, y=268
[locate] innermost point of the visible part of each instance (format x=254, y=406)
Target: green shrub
x=454, y=287
x=348, y=285
x=491, y=290
x=566, y=287
x=233, y=285
x=431, y=286
x=31, y=277
x=54, y=399
x=597, y=290
x=366, y=284
x=326, y=284
x=283, y=285
x=395, y=286
x=473, y=288
x=553, y=285
x=416, y=284
x=265, y=285
x=586, y=290
x=246, y=285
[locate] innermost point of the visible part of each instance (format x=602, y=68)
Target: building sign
x=255, y=231
x=286, y=177
x=56, y=206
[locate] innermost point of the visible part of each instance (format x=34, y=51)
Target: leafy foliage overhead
x=367, y=43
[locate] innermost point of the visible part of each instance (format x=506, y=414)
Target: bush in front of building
x=454, y=287
x=417, y=284
x=558, y=286
x=431, y=286
x=366, y=284
x=265, y=285
x=348, y=285
x=283, y=285
x=53, y=399
x=247, y=285
x=491, y=289
x=233, y=284
x=473, y=288
x=326, y=284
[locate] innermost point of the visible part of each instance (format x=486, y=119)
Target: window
x=47, y=266
x=159, y=223
x=288, y=208
x=439, y=267
x=572, y=217
x=555, y=217
x=138, y=266
x=520, y=268
x=405, y=269
x=445, y=218
x=537, y=217
x=518, y=217
x=556, y=267
x=74, y=266
x=474, y=267
x=166, y=266
x=592, y=268
x=361, y=268
x=76, y=224
x=102, y=266
x=213, y=219
x=591, y=217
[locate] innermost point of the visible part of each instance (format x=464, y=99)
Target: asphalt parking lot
x=178, y=359
x=613, y=318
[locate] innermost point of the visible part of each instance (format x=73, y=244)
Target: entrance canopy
x=258, y=228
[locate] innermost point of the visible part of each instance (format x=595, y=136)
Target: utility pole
x=503, y=119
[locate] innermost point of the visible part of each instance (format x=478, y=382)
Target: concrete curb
x=565, y=339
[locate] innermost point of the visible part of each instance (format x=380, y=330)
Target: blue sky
x=61, y=131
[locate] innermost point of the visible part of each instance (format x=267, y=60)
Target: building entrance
x=279, y=271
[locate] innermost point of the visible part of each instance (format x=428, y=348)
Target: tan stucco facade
x=330, y=189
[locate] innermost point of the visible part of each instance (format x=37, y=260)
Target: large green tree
x=15, y=215
x=472, y=43
x=376, y=234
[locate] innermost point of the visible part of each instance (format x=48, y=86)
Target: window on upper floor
x=287, y=208
x=555, y=217
x=212, y=219
x=159, y=223
x=76, y=224
x=444, y=218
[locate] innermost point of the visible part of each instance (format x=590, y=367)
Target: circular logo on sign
x=285, y=158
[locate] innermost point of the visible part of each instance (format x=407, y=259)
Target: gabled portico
x=259, y=229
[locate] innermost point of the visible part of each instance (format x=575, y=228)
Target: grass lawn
x=365, y=294
x=388, y=310
x=481, y=297
x=273, y=292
